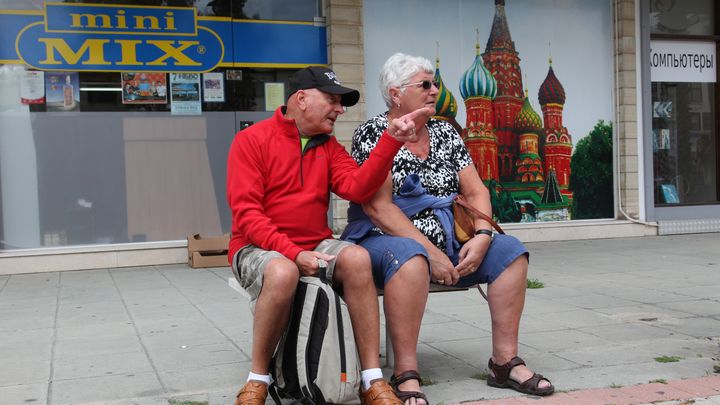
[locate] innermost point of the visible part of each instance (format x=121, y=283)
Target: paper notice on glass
x=185, y=94
x=274, y=96
x=213, y=88
x=32, y=87
x=144, y=88
x=62, y=90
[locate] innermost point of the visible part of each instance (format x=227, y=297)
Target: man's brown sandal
x=396, y=380
x=252, y=393
x=500, y=378
x=379, y=393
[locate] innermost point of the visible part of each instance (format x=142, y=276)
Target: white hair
x=398, y=70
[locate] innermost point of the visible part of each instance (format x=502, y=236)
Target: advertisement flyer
x=32, y=87
x=213, y=88
x=62, y=90
x=144, y=88
x=185, y=94
x=274, y=96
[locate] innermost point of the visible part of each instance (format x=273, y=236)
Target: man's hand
x=308, y=262
x=404, y=129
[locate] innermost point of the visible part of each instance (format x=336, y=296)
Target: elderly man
x=280, y=175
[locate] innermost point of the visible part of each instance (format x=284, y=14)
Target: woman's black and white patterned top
x=438, y=173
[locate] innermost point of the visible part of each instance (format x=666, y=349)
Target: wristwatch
x=487, y=232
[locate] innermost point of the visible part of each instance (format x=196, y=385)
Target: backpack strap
x=272, y=390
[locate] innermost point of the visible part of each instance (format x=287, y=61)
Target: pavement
x=618, y=321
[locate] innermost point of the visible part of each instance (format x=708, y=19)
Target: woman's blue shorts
x=389, y=253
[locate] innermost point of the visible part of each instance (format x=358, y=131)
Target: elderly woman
x=410, y=242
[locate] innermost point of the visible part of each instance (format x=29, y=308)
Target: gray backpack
x=316, y=362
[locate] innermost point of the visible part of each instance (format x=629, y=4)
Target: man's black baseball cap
x=323, y=79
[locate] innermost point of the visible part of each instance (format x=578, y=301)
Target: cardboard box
x=208, y=252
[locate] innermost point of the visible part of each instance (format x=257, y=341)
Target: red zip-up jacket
x=279, y=194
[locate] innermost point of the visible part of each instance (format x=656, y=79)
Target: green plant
x=659, y=380
x=427, y=381
x=668, y=359
x=483, y=375
x=613, y=385
x=591, y=174
x=533, y=283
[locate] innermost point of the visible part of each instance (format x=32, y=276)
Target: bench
x=389, y=355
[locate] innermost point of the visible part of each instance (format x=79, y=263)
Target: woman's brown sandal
x=500, y=378
x=396, y=380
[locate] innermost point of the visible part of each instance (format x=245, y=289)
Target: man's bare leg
x=272, y=311
x=354, y=273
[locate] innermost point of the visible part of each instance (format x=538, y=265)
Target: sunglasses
x=425, y=84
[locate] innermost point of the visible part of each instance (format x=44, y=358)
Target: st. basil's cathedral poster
x=529, y=86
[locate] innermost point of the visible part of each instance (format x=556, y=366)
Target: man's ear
x=301, y=97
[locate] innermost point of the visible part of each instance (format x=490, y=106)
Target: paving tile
x=594, y=301
x=192, y=356
x=25, y=344
x=98, y=365
x=699, y=327
x=182, y=336
x=27, y=394
x=86, y=279
x=24, y=371
x=141, y=300
x=699, y=307
x=26, y=318
x=456, y=330
x=82, y=317
x=97, y=330
x=199, y=379
x=605, y=396
x=83, y=295
x=105, y=388
x=95, y=346
x=561, y=340
x=698, y=387
x=611, y=354
x=139, y=277
x=626, y=332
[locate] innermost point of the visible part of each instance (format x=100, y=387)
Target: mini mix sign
x=92, y=37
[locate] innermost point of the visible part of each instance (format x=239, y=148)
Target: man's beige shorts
x=249, y=263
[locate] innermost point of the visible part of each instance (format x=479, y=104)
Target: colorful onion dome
x=477, y=81
x=527, y=118
x=551, y=91
x=446, y=106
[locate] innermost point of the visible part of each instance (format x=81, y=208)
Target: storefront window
x=684, y=143
x=682, y=17
x=684, y=75
x=116, y=154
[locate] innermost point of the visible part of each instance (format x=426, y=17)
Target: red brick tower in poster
x=558, y=142
x=478, y=88
x=503, y=61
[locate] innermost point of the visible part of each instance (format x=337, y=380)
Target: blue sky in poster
x=579, y=32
